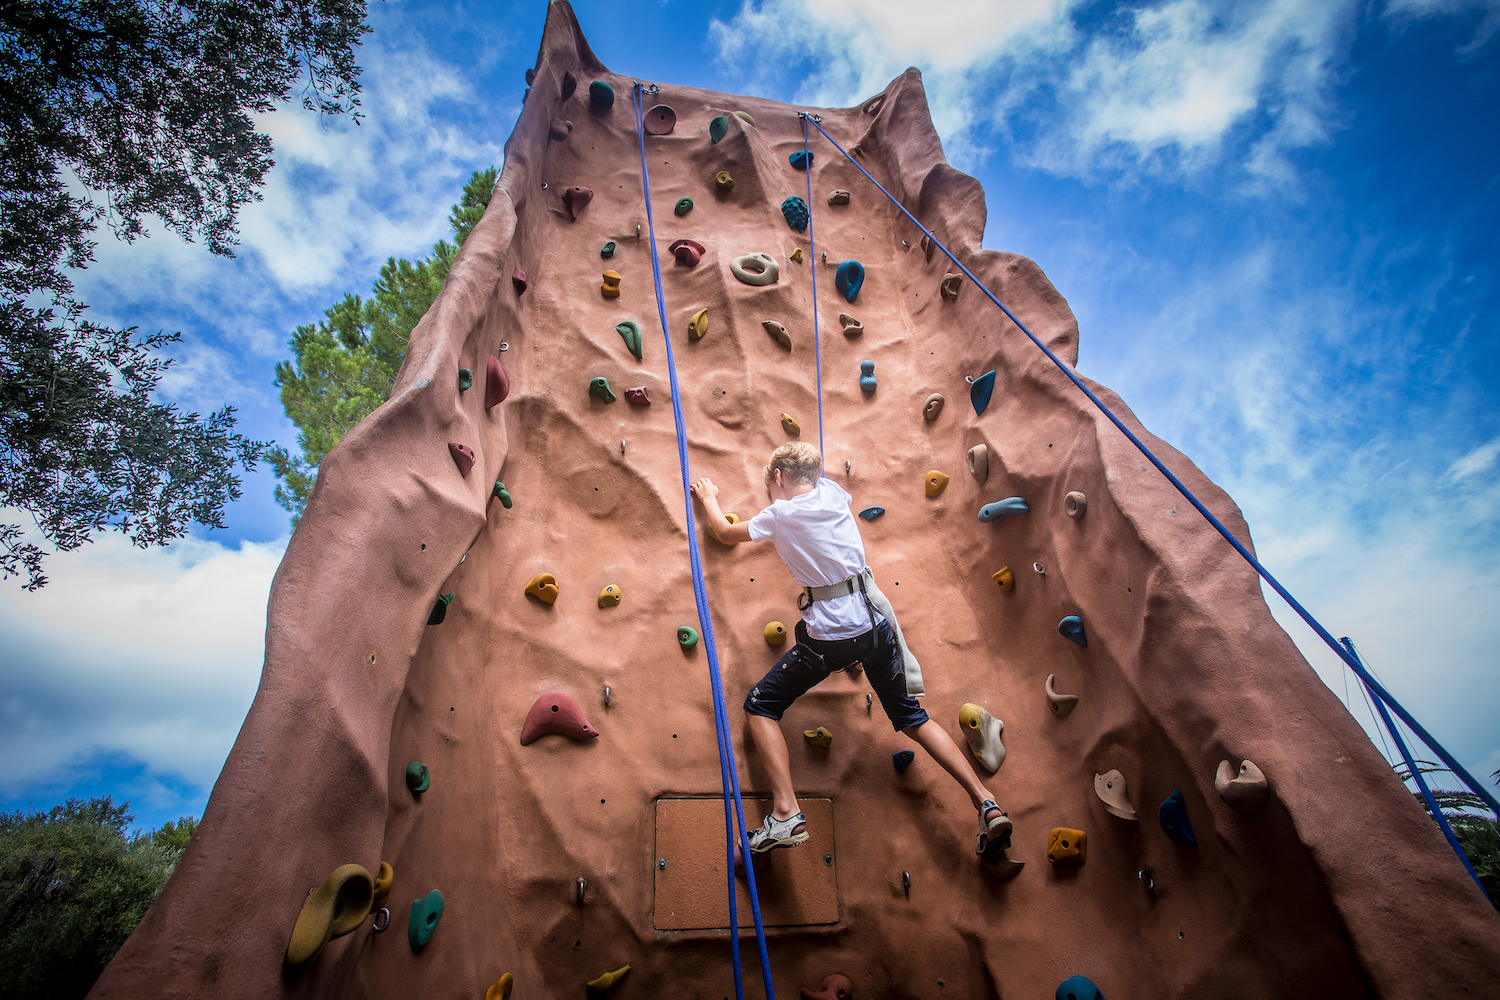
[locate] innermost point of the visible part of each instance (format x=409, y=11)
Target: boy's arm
x=708, y=494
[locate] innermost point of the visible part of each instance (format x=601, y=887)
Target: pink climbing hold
x=569, y=84
x=558, y=714
x=637, y=396
x=577, y=197
x=687, y=252
x=835, y=987
x=518, y=278
x=496, y=384
x=463, y=456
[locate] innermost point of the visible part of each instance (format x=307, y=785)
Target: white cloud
x=1476, y=461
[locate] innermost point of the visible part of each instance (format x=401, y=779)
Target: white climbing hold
x=1110, y=787
x=1246, y=792
x=982, y=732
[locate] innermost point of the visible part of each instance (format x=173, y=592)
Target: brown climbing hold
x=839, y=197
x=382, y=886
x=852, y=326
x=577, y=197
x=496, y=383
x=775, y=633
x=1076, y=504
x=609, y=597
x=463, y=456
x=1061, y=704
x=795, y=256
x=1004, y=578
x=559, y=129
x=687, y=252
x=790, y=425
x=661, y=120
x=1066, y=846
x=928, y=245
x=501, y=988
x=569, y=84
x=637, y=396
x=518, y=279
x=937, y=482
x=331, y=910
x=820, y=737
x=556, y=714
x=834, y=987
x=933, y=406
x=979, y=462
x=1110, y=787
x=777, y=331
x=605, y=984
x=543, y=587
x=611, y=286
x=698, y=325
x=950, y=286
x=724, y=181
x=1246, y=792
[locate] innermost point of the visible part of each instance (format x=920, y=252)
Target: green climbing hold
x=631, y=331
x=718, y=128
x=601, y=95
x=687, y=636
x=683, y=206
x=440, y=609
x=599, y=386
x=425, y=914
x=465, y=379
x=608, y=250
x=417, y=776
x=501, y=492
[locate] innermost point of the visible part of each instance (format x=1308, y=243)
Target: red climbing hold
x=496, y=384
x=569, y=84
x=463, y=456
x=835, y=987
x=518, y=278
x=687, y=252
x=556, y=713
x=637, y=396
x=577, y=197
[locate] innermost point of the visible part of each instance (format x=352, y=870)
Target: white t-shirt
x=816, y=537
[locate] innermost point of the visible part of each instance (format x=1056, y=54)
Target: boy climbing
x=846, y=622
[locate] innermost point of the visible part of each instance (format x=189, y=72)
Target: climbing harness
x=1350, y=660
x=864, y=583
x=728, y=773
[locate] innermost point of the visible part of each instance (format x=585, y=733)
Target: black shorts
x=811, y=660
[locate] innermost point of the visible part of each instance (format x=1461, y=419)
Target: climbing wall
x=584, y=846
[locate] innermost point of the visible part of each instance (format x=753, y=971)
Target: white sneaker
x=774, y=833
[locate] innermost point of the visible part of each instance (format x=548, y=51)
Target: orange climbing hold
x=1065, y=846
x=543, y=587
x=1004, y=578
x=611, y=286
x=790, y=425
x=937, y=482
x=501, y=989
x=382, y=886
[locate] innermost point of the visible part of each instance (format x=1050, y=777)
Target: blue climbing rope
x=812, y=263
x=1349, y=659
x=728, y=773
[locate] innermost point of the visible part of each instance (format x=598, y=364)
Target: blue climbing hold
x=849, y=277
x=1174, y=819
x=800, y=160
x=601, y=94
x=867, y=376
x=1071, y=628
x=902, y=759
x=795, y=210
x=980, y=392
x=871, y=513
x=1078, y=988
x=1001, y=509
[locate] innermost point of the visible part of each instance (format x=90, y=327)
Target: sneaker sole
x=796, y=840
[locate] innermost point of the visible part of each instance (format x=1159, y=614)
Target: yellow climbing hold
x=795, y=256
x=605, y=984
x=732, y=518
x=937, y=482
x=501, y=989
x=790, y=425
x=1004, y=578
x=775, y=633
x=543, y=587
x=609, y=597
x=333, y=909
x=698, y=325
x=1066, y=846
x=745, y=117
x=724, y=181
x=382, y=886
x=611, y=286
x=820, y=737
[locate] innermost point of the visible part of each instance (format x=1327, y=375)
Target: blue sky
x=1274, y=220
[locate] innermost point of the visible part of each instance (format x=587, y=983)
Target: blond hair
x=798, y=461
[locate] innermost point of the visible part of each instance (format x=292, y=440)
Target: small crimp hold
x=599, y=386
x=1173, y=816
x=1246, y=792
x=902, y=760
x=501, y=988
x=820, y=737
x=834, y=987
x=556, y=713
x=609, y=597
x=559, y=129
x=637, y=396
x=744, y=116
x=724, y=181
x=608, y=250
x=928, y=245
x=795, y=256
x=463, y=457
x=839, y=197
x=871, y=513
x=778, y=333
x=790, y=425
x=605, y=984
x=1004, y=578
x=775, y=633
x=418, y=778
x=698, y=325
x=543, y=587
x=687, y=636
x=936, y=483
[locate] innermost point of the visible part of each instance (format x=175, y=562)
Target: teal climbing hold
x=425, y=914
x=1001, y=509
x=601, y=95
x=501, y=492
x=1078, y=988
x=599, y=386
x=683, y=206
x=718, y=128
x=902, y=759
x=1174, y=819
x=849, y=277
x=465, y=379
x=1071, y=628
x=631, y=331
x=687, y=636
x=795, y=210
x=800, y=160
x=608, y=250
x=440, y=609
x=871, y=513
x=418, y=778
x=867, y=376
x=980, y=390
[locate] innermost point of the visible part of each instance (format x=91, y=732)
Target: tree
x=1472, y=823
x=73, y=885
x=344, y=366
x=146, y=106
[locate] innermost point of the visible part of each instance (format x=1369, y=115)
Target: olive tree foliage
x=1472, y=823
x=344, y=366
x=115, y=111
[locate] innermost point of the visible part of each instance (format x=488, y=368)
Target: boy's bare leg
x=936, y=741
x=774, y=756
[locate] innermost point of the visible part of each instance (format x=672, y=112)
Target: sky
x=1274, y=221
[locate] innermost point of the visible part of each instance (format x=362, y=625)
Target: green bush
x=73, y=885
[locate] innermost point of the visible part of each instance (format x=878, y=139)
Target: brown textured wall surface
x=1340, y=887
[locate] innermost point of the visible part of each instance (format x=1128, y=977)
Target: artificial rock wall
x=1340, y=886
